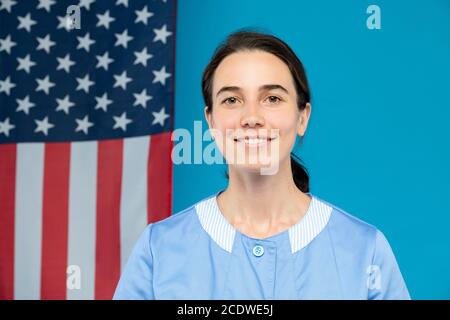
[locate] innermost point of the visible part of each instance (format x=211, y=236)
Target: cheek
x=286, y=122
x=222, y=124
x=287, y=125
x=223, y=120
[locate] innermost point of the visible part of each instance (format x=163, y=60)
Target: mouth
x=254, y=141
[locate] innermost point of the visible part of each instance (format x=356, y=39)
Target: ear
x=208, y=117
x=304, y=119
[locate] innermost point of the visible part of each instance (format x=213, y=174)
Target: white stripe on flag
x=82, y=216
x=28, y=220
x=133, y=204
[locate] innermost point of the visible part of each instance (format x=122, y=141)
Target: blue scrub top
x=198, y=254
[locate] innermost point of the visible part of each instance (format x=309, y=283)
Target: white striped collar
x=300, y=234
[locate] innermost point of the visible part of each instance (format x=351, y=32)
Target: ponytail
x=299, y=173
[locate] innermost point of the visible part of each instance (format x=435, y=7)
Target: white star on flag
x=6, y=44
x=45, y=4
x=142, y=57
x=6, y=85
x=86, y=3
x=64, y=104
x=141, y=98
x=64, y=23
x=43, y=126
x=123, y=2
x=104, y=19
x=160, y=116
x=83, y=124
x=121, y=80
x=161, y=76
x=123, y=39
x=24, y=105
x=161, y=34
x=121, y=122
x=65, y=63
x=104, y=61
x=102, y=102
x=26, y=22
x=44, y=84
x=143, y=15
x=85, y=42
x=45, y=43
x=5, y=127
x=25, y=63
x=7, y=5
x=84, y=83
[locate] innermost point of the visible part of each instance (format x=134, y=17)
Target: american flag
x=86, y=116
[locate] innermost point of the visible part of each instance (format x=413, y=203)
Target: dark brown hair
x=251, y=40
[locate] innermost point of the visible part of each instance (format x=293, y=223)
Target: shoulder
x=366, y=247
x=342, y=220
x=351, y=231
x=182, y=226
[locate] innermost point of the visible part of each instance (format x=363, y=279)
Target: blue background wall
x=378, y=141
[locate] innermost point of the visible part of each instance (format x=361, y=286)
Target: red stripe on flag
x=159, y=179
x=55, y=219
x=8, y=153
x=109, y=185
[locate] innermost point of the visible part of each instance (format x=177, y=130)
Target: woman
x=265, y=236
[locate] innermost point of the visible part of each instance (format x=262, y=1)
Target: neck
x=263, y=204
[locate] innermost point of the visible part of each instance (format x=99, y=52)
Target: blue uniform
x=198, y=254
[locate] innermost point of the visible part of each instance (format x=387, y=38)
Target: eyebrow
x=265, y=87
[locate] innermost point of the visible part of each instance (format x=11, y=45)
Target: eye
x=230, y=100
x=273, y=99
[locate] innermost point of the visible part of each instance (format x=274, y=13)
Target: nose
x=251, y=116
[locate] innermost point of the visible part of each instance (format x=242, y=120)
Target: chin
x=254, y=167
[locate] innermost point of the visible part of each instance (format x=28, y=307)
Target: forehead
x=251, y=69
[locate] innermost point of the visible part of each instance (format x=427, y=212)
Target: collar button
x=258, y=251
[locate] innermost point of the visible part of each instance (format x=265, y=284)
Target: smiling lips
x=254, y=141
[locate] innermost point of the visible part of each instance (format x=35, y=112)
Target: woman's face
x=254, y=96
